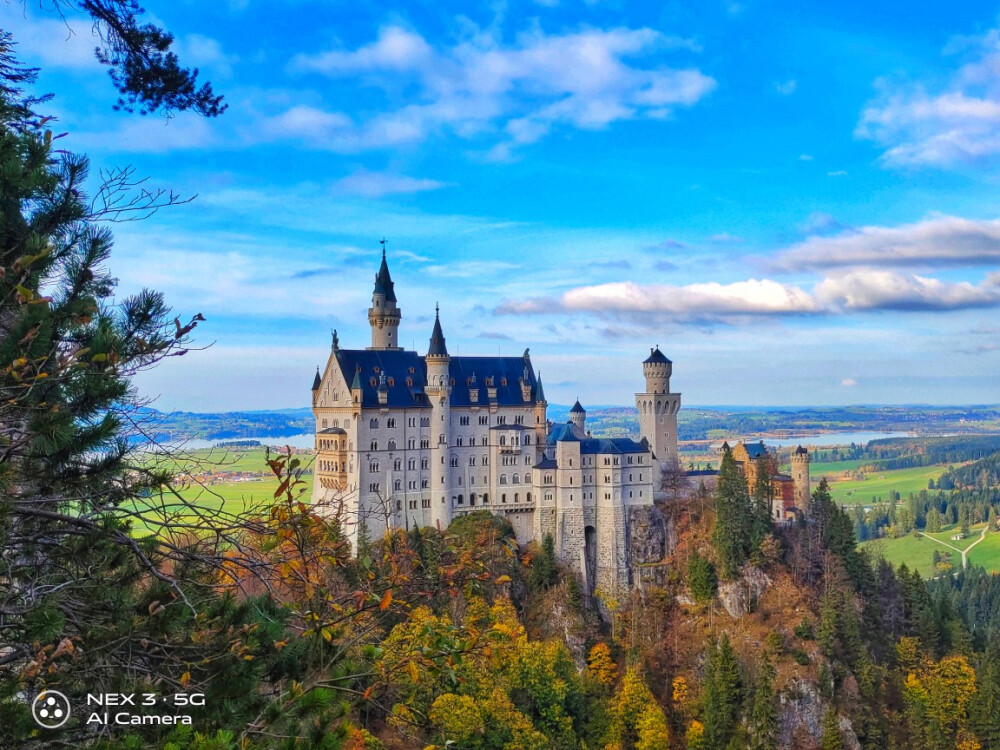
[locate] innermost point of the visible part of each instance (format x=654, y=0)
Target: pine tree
x=831, y=738
x=543, y=565
x=701, y=578
x=763, y=722
x=722, y=694
x=734, y=517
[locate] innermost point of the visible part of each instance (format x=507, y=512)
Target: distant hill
x=694, y=422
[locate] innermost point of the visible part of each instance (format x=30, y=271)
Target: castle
x=405, y=440
x=789, y=493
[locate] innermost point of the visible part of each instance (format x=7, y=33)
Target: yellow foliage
x=695, y=736
x=681, y=692
x=458, y=716
x=635, y=710
x=600, y=664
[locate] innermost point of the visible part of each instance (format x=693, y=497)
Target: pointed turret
x=356, y=383
x=438, y=348
x=384, y=315
x=539, y=391
x=317, y=381
x=383, y=281
x=578, y=416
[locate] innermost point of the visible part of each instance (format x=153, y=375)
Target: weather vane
x=382, y=243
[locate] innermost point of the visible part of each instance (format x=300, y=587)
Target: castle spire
x=384, y=315
x=438, y=348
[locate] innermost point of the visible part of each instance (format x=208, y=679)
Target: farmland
x=877, y=485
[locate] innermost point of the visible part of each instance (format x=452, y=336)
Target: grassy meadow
x=877, y=485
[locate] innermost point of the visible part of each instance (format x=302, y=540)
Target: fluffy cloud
x=858, y=290
x=874, y=289
x=939, y=241
x=959, y=122
x=520, y=92
x=753, y=297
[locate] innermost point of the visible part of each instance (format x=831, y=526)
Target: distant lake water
x=304, y=440
x=828, y=439
x=822, y=440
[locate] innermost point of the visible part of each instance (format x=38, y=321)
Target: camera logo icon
x=50, y=709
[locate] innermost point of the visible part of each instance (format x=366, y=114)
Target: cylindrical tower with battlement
x=800, y=478
x=658, y=408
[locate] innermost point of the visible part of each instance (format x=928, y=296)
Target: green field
x=878, y=485
x=222, y=460
x=918, y=551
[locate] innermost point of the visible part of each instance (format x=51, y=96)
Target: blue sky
x=798, y=205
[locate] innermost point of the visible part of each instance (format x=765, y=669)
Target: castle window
x=486, y=479
x=630, y=477
x=459, y=442
x=411, y=369
x=336, y=395
x=528, y=499
x=501, y=420
x=514, y=480
x=527, y=439
x=399, y=505
x=374, y=445
x=527, y=460
x=548, y=495
x=503, y=479
x=373, y=467
x=451, y=382
x=397, y=465
x=425, y=483
x=486, y=499
x=372, y=381
x=454, y=462
x=392, y=445
x=517, y=497
x=630, y=493
x=503, y=381
x=411, y=443
x=484, y=420
x=390, y=422
x=425, y=463
x=412, y=484
x=527, y=478
x=425, y=503
x=442, y=439
x=376, y=369
x=373, y=487
x=347, y=423
x=425, y=421
x=324, y=423
x=412, y=421
x=503, y=498
x=425, y=442
x=397, y=485
x=484, y=441
x=503, y=440
x=373, y=424
x=392, y=381
x=472, y=460
x=336, y=423
x=464, y=421
x=411, y=464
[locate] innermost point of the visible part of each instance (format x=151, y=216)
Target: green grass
x=918, y=551
x=987, y=553
x=224, y=460
x=879, y=484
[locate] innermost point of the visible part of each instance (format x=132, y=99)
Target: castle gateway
x=405, y=440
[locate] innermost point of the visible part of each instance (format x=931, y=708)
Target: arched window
x=397, y=485
x=373, y=466
x=503, y=479
x=374, y=445
x=397, y=465
x=486, y=499
x=373, y=424
x=514, y=480
x=392, y=445
x=503, y=440
x=517, y=497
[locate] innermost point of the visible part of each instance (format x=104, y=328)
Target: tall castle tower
x=578, y=416
x=384, y=315
x=658, y=407
x=800, y=478
x=438, y=390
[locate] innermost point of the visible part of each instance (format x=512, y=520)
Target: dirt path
x=963, y=552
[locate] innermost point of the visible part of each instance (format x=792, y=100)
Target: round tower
x=384, y=315
x=657, y=369
x=800, y=478
x=438, y=390
x=578, y=416
x=658, y=408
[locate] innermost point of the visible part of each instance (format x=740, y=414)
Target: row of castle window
x=426, y=421
x=336, y=423
x=411, y=443
x=333, y=466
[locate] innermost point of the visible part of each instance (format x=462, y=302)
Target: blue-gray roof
x=656, y=357
x=756, y=450
x=546, y=463
x=367, y=365
x=561, y=432
x=437, y=347
x=612, y=445
x=400, y=365
x=577, y=408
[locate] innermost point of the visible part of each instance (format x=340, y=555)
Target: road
x=963, y=552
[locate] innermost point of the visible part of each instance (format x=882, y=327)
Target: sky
x=797, y=204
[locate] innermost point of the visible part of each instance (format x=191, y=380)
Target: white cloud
x=375, y=184
x=197, y=50
x=859, y=290
x=786, y=87
x=837, y=173
x=51, y=43
x=519, y=92
x=875, y=289
x=151, y=135
x=805, y=157
x=925, y=125
x=848, y=382
x=938, y=241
